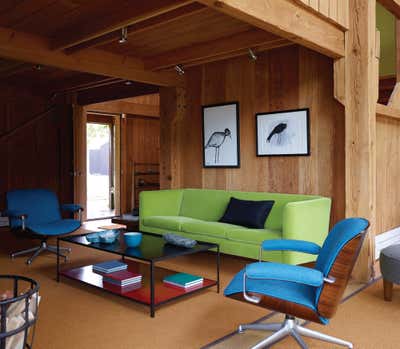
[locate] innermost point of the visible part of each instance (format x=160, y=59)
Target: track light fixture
x=179, y=69
x=38, y=67
x=252, y=54
x=124, y=35
x=128, y=82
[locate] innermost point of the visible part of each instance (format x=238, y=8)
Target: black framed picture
x=221, y=139
x=283, y=133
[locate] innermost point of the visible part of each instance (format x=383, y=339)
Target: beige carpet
x=74, y=316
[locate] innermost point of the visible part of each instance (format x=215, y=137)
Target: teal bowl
x=109, y=236
x=93, y=237
x=133, y=239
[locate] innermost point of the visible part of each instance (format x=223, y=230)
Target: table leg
x=218, y=265
x=152, y=310
x=58, y=260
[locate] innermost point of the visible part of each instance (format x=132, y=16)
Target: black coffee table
x=143, y=260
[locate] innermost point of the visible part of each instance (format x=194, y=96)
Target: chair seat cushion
x=60, y=227
x=215, y=229
x=253, y=236
x=166, y=222
x=284, y=290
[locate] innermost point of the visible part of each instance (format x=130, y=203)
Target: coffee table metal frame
x=201, y=247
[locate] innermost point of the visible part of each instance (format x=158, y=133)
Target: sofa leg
x=387, y=290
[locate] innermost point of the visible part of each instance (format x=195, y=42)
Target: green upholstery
x=194, y=213
x=208, y=228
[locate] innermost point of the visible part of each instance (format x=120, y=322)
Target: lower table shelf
x=162, y=292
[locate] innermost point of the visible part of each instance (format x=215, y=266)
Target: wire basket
x=18, y=330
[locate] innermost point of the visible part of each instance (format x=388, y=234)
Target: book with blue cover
x=109, y=266
x=183, y=280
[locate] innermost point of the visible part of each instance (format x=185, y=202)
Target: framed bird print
x=221, y=135
x=283, y=133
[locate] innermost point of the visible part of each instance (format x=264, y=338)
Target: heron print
x=216, y=140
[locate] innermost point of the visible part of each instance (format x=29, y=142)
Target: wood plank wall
x=336, y=10
x=142, y=138
x=39, y=155
x=388, y=174
x=279, y=79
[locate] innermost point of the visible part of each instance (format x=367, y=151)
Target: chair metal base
x=290, y=327
x=38, y=250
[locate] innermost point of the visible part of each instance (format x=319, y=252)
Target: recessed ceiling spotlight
x=252, y=54
x=179, y=69
x=127, y=83
x=124, y=35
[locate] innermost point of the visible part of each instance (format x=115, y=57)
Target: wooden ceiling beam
x=36, y=49
x=123, y=107
x=14, y=69
x=392, y=6
x=223, y=48
x=141, y=27
x=286, y=19
x=119, y=17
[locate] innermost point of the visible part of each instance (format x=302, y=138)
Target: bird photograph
x=216, y=140
x=278, y=133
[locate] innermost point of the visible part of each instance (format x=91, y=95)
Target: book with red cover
x=123, y=277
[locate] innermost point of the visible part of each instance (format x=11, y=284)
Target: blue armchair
x=300, y=292
x=37, y=213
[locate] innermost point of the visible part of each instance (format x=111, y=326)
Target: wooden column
x=172, y=113
x=79, y=125
x=361, y=86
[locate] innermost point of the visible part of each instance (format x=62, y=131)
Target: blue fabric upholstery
x=71, y=207
x=43, y=212
x=284, y=272
x=63, y=226
x=291, y=245
x=290, y=290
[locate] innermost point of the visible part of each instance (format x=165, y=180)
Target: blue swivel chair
x=37, y=213
x=300, y=292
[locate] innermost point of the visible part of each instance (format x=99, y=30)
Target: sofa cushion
x=253, y=236
x=196, y=226
x=204, y=204
x=166, y=222
x=247, y=213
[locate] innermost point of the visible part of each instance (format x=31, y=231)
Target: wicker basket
x=18, y=315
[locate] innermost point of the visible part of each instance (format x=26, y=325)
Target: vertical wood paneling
x=388, y=174
x=281, y=79
x=38, y=155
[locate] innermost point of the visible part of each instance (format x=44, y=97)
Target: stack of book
x=123, y=279
x=109, y=267
x=183, y=281
x=4, y=221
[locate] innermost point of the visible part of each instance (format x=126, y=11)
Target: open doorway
x=101, y=164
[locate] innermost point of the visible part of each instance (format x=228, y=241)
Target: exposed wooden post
x=361, y=84
x=394, y=100
x=172, y=112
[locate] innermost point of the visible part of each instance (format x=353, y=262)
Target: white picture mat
x=218, y=119
x=292, y=141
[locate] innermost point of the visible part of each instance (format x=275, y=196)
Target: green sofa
x=194, y=213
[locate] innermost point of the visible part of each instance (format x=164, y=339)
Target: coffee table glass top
x=152, y=248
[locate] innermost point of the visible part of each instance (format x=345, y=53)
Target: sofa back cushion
x=274, y=220
x=210, y=205
x=204, y=204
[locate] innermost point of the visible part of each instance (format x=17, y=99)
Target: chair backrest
x=40, y=205
x=336, y=259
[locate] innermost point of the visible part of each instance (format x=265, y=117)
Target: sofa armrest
x=160, y=203
x=305, y=220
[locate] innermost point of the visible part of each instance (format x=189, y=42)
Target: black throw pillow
x=250, y=214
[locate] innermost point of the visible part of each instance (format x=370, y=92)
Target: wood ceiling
x=161, y=35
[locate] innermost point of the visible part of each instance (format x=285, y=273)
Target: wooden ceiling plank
x=392, y=6
x=248, y=39
x=35, y=49
x=117, y=19
x=287, y=19
x=17, y=68
x=125, y=108
x=141, y=27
